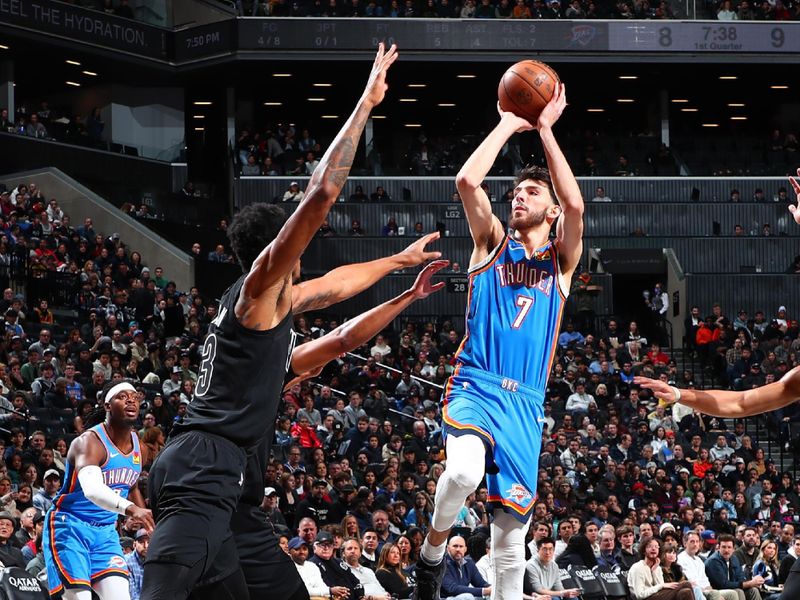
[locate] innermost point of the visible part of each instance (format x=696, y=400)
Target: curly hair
x=536, y=173
x=252, y=229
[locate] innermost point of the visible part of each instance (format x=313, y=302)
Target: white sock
x=431, y=554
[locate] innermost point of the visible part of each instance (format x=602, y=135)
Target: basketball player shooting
x=80, y=541
x=196, y=481
x=493, y=403
x=725, y=403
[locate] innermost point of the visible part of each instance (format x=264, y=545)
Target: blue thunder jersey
x=120, y=472
x=514, y=310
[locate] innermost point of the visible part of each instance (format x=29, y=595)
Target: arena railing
x=440, y=189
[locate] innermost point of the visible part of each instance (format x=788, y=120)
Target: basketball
x=526, y=87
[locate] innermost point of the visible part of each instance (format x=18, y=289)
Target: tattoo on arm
x=336, y=165
x=315, y=301
x=341, y=161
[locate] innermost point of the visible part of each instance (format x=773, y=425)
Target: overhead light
x=446, y=104
x=3, y=47
x=466, y=76
x=330, y=116
x=625, y=100
x=779, y=87
x=323, y=85
x=198, y=116
x=90, y=73
x=73, y=83
x=202, y=103
x=413, y=124
x=598, y=110
x=728, y=77
x=736, y=104
x=710, y=124
x=738, y=118
x=408, y=99
x=689, y=110
x=629, y=77
x=199, y=128
x=74, y=62
x=680, y=101
x=417, y=85
x=273, y=103
x=281, y=74
x=378, y=116
x=316, y=99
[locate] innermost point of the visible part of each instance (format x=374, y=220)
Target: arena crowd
x=623, y=478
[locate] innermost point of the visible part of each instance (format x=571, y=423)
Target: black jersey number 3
x=207, y=366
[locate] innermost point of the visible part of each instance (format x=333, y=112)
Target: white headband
x=120, y=387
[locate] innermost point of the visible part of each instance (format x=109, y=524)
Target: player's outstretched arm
x=349, y=280
x=795, y=210
x=87, y=453
x=486, y=229
x=278, y=259
x=364, y=327
x=722, y=403
x=568, y=193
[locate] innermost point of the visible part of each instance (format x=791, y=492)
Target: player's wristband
x=677, y=393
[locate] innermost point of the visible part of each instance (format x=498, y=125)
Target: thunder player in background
x=197, y=480
x=80, y=541
x=493, y=403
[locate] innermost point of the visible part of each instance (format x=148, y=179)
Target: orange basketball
x=526, y=87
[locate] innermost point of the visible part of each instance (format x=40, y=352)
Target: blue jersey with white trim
x=514, y=311
x=120, y=472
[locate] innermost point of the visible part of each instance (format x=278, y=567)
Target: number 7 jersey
x=514, y=309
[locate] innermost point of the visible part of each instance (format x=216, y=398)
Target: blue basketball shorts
x=507, y=415
x=78, y=554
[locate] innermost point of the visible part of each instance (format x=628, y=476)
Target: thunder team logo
x=519, y=494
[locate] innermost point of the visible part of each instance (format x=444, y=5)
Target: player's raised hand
x=376, y=84
x=658, y=387
x=422, y=287
x=518, y=123
x=795, y=210
x=416, y=254
x=553, y=109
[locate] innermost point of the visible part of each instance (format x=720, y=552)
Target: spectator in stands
x=355, y=229
x=379, y=195
x=341, y=581
x=219, y=255
x=462, y=579
x=542, y=575
x=351, y=552
x=294, y=193
x=35, y=128
x=646, y=578
x=358, y=195
x=135, y=562
x=726, y=12
x=251, y=167
x=310, y=573
x=725, y=572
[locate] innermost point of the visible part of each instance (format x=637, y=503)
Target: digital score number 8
x=778, y=37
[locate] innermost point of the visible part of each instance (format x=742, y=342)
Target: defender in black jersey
x=196, y=481
x=264, y=564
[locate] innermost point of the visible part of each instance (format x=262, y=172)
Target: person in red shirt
x=304, y=434
x=657, y=357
